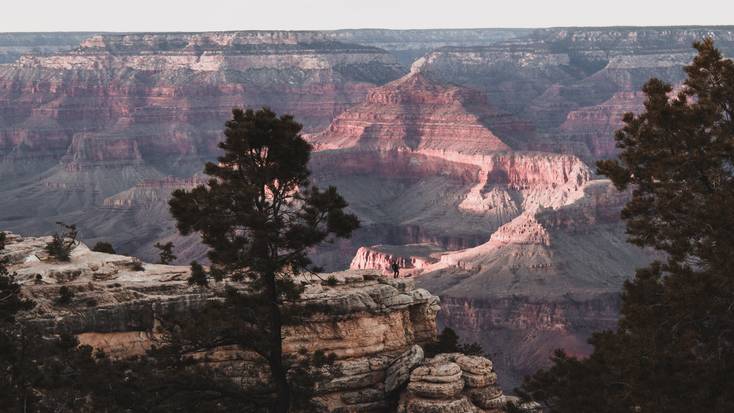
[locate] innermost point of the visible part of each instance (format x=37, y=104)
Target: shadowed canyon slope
x=467, y=154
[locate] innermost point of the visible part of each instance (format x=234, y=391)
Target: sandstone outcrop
x=454, y=382
x=381, y=257
x=374, y=326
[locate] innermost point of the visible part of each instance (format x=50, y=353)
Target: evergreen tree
x=260, y=215
x=673, y=350
x=165, y=252
x=198, y=275
x=63, y=242
x=448, y=342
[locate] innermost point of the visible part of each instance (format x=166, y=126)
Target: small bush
x=198, y=275
x=63, y=242
x=137, y=265
x=320, y=359
x=2, y=241
x=332, y=281
x=66, y=295
x=448, y=342
x=103, y=246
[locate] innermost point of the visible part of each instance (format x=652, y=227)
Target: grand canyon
x=467, y=154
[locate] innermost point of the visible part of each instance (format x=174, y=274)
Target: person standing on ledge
x=395, y=269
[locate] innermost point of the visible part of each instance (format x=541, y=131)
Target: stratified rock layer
x=454, y=382
x=374, y=326
x=413, y=113
x=80, y=125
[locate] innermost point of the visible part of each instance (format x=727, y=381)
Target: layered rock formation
x=14, y=45
x=551, y=252
x=454, y=383
x=546, y=279
x=82, y=125
x=424, y=155
x=381, y=257
x=414, y=114
x=374, y=328
x=147, y=106
x=544, y=76
x=471, y=170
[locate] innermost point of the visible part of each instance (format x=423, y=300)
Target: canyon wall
x=546, y=75
x=467, y=155
x=85, y=117
x=81, y=125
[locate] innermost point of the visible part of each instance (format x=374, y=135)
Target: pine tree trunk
x=279, y=374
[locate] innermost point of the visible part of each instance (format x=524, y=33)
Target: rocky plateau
x=374, y=327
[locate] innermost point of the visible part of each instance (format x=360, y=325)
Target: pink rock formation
x=408, y=257
x=414, y=114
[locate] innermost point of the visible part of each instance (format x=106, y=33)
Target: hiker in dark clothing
x=395, y=269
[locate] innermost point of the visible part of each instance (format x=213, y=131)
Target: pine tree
x=260, y=215
x=165, y=254
x=673, y=349
x=198, y=275
x=63, y=242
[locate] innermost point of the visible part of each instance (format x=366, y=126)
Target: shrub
x=198, y=275
x=448, y=342
x=332, y=281
x=63, y=242
x=66, y=294
x=103, y=246
x=166, y=252
x=137, y=265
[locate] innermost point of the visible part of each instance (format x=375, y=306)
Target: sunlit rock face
x=421, y=154
x=414, y=114
x=545, y=278
x=548, y=252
